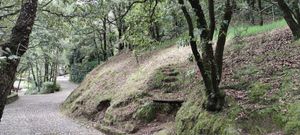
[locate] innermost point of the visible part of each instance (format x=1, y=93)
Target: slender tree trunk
x=111, y=46
x=222, y=40
x=121, y=44
x=38, y=75
x=105, y=39
x=34, y=77
x=251, y=4
x=207, y=64
x=261, y=15
x=46, y=66
x=157, y=31
x=96, y=49
x=20, y=81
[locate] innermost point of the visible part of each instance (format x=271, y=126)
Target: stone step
x=171, y=73
x=170, y=79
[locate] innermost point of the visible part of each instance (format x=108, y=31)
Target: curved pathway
x=40, y=115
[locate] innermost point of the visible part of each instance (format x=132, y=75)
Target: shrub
x=146, y=113
x=49, y=87
x=32, y=90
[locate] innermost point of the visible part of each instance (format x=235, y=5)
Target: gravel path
x=39, y=115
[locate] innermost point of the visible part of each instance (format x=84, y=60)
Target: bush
x=32, y=90
x=146, y=113
x=49, y=87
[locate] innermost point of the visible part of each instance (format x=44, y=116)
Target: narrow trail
x=40, y=115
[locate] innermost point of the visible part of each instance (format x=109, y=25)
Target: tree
x=209, y=62
x=291, y=15
x=13, y=49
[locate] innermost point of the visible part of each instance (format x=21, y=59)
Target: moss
x=191, y=119
x=146, y=113
x=258, y=90
x=168, y=82
x=156, y=82
x=263, y=119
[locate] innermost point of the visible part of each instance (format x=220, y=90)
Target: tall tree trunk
x=46, y=66
x=251, y=4
x=105, y=39
x=222, y=40
x=20, y=81
x=291, y=18
x=96, y=49
x=261, y=15
x=17, y=45
x=157, y=31
x=34, y=77
x=121, y=44
x=111, y=46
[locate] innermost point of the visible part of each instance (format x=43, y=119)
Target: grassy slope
x=124, y=84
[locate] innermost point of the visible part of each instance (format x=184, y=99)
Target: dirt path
x=39, y=115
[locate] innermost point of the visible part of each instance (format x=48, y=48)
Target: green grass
x=248, y=30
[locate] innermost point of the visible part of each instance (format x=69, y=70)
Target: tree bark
x=46, y=66
x=251, y=4
x=105, y=57
x=261, y=15
x=207, y=63
x=222, y=39
x=17, y=45
x=291, y=18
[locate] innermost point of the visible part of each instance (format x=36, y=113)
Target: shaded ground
x=39, y=115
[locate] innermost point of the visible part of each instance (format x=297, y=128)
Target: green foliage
x=31, y=90
x=146, y=113
x=49, y=87
x=79, y=71
x=157, y=81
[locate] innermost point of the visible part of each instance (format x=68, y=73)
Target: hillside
x=260, y=78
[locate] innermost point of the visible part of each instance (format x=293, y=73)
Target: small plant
x=146, y=113
x=258, y=90
x=49, y=87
